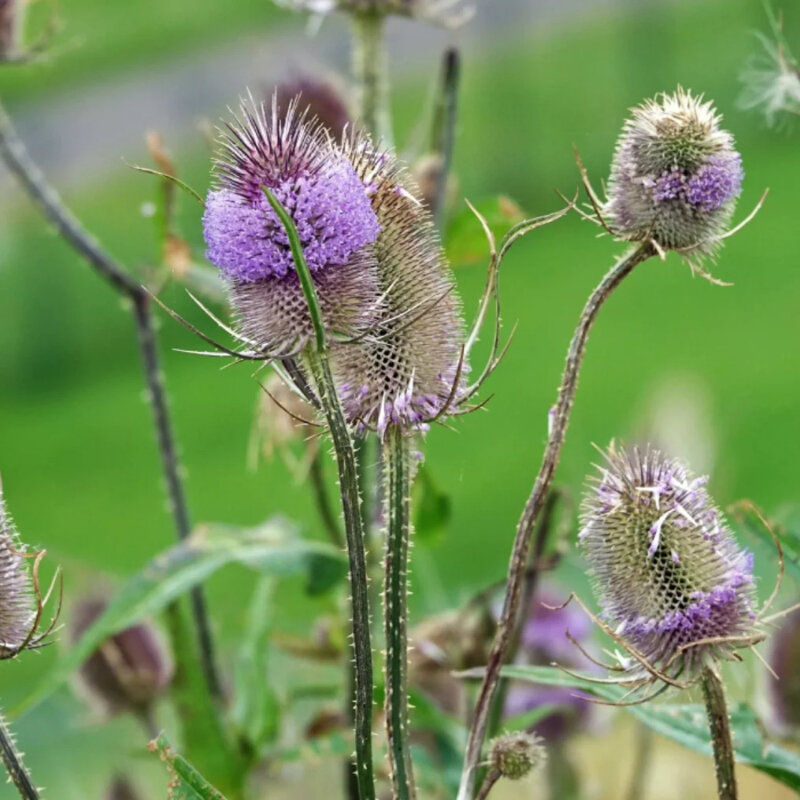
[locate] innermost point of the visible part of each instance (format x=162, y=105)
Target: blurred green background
x=77, y=454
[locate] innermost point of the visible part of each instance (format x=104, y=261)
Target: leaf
x=256, y=709
x=186, y=782
x=465, y=240
x=683, y=723
x=273, y=548
x=432, y=508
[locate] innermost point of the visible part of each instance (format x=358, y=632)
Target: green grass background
x=77, y=453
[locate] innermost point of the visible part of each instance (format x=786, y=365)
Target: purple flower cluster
x=665, y=565
x=675, y=175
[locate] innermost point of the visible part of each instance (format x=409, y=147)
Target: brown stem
x=492, y=776
x=720, y=726
x=510, y=615
x=19, y=162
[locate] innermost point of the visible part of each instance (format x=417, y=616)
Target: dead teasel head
x=675, y=176
x=292, y=156
x=409, y=369
x=21, y=601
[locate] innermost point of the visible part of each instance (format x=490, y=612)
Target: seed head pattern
x=17, y=606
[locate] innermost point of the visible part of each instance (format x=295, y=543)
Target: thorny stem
x=492, y=776
x=510, y=616
x=719, y=725
x=19, y=162
x=12, y=761
x=370, y=74
x=395, y=602
x=319, y=365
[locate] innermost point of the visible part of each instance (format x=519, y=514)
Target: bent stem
x=319, y=366
x=69, y=227
x=12, y=761
x=399, y=475
x=370, y=74
x=559, y=419
x=720, y=727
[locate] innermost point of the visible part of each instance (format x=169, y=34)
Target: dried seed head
x=675, y=175
x=297, y=162
x=448, y=13
x=17, y=604
x=128, y=671
x=403, y=373
x=665, y=566
x=319, y=98
x=515, y=755
x=785, y=661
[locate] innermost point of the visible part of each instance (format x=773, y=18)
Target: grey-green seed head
x=515, y=755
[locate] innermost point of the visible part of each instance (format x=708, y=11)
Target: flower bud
x=515, y=755
x=128, y=671
x=675, y=175
x=666, y=567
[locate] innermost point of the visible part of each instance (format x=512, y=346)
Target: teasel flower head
x=771, y=79
x=666, y=568
x=446, y=13
x=409, y=370
x=516, y=755
x=21, y=602
x=294, y=158
x=128, y=671
x=320, y=98
x=784, y=660
x=675, y=176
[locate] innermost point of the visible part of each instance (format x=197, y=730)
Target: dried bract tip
x=128, y=671
x=666, y=567
x=293, y=158
x=321, y=99
x=17, y=602
x=784, y=659
x=771, y=80
x=675, y=175
x=407, y=371
x=515, y=755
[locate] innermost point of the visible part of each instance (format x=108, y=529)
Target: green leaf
x=465, y=240
x=186, y=782
x=432, y=508
x=273, y=548
x=256, y=709
x=684, y=723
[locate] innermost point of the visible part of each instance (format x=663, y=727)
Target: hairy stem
x=12, y=761
x=510, y=616
x=720, y=726
x=395, y=611
x=320, y=368
x=370, y=74
x=19, y=162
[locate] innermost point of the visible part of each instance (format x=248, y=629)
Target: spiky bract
x=293, y=158
x=665, y=566
x=403, y=373
x=515, y=755
x=17, y=605
x=675, y=175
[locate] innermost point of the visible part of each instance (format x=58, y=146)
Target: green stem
x=12, y=761
x=395, y=600
x=319, y=366
x=720, y=727
x=371, y=74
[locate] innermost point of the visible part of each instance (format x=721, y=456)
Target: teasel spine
x=317, y=357
x=12, y=760
x=510, y=617
x=399, y=476
x=719, y=725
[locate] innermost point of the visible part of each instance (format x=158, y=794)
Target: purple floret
x=329, y=207
x=715, y=183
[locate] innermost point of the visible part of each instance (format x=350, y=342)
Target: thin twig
x=492, y=776
x=19, y=162
x=510, y=615
x=720, y=727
